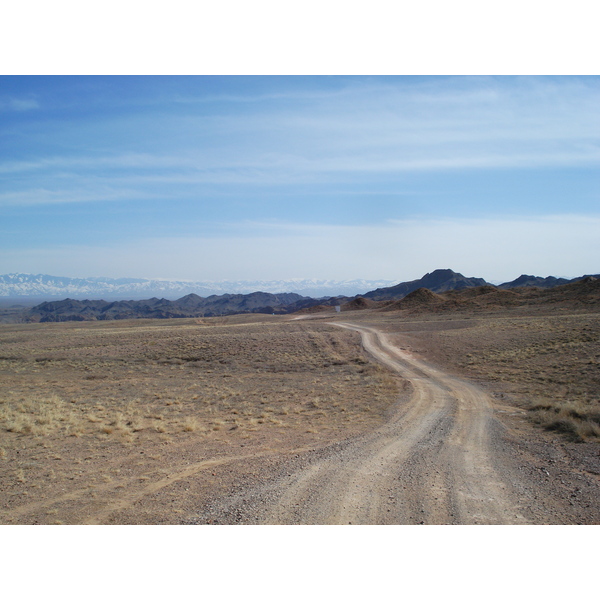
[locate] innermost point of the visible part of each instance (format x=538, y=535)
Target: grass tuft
x=577, y=421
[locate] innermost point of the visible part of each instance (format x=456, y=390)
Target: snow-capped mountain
x=23, y=285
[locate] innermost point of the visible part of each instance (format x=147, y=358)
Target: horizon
x=237, y=178
x=239, y=282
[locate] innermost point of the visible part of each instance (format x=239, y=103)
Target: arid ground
x=366, y=416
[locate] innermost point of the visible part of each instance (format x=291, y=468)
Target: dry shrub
x=190, y=424
x=136, y=424
x=244, y=378
x=217, y=425
x=39, y=416
x=119, y=422
x=576, y=420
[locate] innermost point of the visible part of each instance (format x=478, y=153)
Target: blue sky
x=250, y=177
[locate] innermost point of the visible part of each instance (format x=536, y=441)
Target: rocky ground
x=257, y=419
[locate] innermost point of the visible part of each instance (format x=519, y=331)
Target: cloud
x=497, y=250
x=117, y=161
x=363, y=128
x=43, y=196
x=18, y=104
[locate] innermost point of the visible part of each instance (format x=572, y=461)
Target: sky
x=279, y=177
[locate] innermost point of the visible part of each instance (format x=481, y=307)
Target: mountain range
x=193, y=305
x=24, y=285
x=441, y=280
x=44, y=287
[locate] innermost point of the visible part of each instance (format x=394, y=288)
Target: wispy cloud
x=18, y=104
x=496, y=249
x=75, y=163
x=386, y=127
x=40, y=196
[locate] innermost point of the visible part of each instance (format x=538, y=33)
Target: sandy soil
x=388, y=418
x=442, y=458
x=140, y=421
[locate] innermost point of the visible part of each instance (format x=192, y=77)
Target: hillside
x=541, y=282
x=442, y=289
x=188, y=306
x=581, y=294
x=440, y=280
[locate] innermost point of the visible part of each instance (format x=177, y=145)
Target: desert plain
x=477, y=415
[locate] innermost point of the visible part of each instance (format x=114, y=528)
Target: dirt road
x=433, y=462
x=342, y=452
x=430, y=463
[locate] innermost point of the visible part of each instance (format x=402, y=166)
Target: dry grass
x=553, y=365
x=94, y=404
x=39, y=415
x=578, y=420
x=546, y=363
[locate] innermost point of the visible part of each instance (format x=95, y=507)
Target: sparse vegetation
x=115, y=391
x=547, y=364
x=92, y=413
x=578, y=420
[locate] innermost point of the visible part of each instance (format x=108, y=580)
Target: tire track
x=431, y=463
x=128, y=490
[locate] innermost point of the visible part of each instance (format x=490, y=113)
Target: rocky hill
x=581, y=294
x=457, y=290
x=440, y=280
x=541, y=282
x=154, y=308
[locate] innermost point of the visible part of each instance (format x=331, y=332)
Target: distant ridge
x=425, y=292
x=25, y=285
x=533, y=281
x=45, y=287
x=154, y=308
x=440, y=280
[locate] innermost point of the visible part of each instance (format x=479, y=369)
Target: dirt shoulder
x=545, y=363
x=541, y=370
x=210, y=421
x=449, y=454
x=140, y=421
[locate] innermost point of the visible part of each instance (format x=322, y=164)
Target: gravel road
x=430, y=463
x=442, y=458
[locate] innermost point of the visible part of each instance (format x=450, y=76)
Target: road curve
x=432, y=462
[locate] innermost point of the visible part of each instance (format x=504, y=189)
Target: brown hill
x=584, y=292
x=421, y=298
x=359, y=303
x=318, y=308
x=572, y=296
x=440, y=280
x=484, y=296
